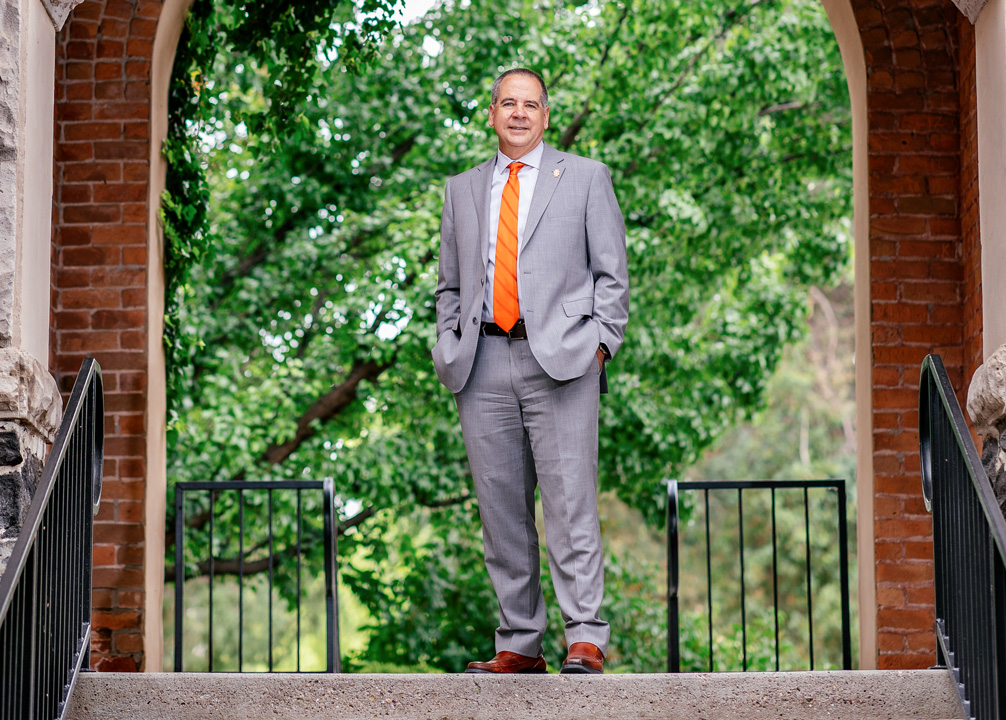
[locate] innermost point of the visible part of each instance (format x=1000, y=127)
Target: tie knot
x=515, y=167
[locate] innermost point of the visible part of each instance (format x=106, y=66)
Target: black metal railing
x=735, y=523
x=263, y=542
x=969, y=549
x=45, y=593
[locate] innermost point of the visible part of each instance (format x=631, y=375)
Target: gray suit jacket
x=573, y=282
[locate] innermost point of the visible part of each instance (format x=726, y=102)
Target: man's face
x=518, y=116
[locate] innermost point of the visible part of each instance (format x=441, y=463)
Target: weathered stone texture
x=30, y=412
x=59, y=10
x=28, y=393
x=987, y=408
x=10, y=449
x=10, y=81
x=971, y=8
x=17, y=487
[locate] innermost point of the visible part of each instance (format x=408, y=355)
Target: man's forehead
x=520, y=87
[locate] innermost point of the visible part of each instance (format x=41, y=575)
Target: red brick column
x=100, y=283
x=917, y=290
x=971, y=252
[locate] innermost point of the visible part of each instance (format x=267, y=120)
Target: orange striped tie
x=506, y=309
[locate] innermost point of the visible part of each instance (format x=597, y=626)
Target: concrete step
x=856, y=695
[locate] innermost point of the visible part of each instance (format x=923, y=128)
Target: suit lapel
x=549, y=175
x=481, y=185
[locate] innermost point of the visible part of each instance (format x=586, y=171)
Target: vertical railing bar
x=212, y=569
x=810, y=601
x=270, y=579
x=744, y=622
x=179, y=572
x=45, y=631
x=241, y=579
x=673, y=620
x=709, y=583
x=33, y=642
x=966, y=636
x=299, y=529
x=843, y=554
x=999, y=634
x=331, y=534
x=775, y=582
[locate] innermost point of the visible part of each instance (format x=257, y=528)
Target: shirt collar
x=533, y=158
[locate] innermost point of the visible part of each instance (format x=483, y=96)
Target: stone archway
x=913, y=108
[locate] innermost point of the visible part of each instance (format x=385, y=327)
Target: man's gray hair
x=495, y=93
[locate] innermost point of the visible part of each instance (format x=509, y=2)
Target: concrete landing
x=857, y=695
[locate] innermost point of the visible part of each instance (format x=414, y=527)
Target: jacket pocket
x=583, y=306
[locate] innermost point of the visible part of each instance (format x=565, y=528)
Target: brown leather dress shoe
x=509, y=662
x=584, y=659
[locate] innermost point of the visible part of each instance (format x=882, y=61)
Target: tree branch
x=781, y=107
x=324, y=408
x=568, y=137
x=233, y=566
x=446, y=502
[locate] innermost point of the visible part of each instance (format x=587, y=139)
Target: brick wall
x=99, y=283
x=971, y=251
x=917, y=290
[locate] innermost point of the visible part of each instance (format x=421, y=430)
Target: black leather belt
x=517, y=332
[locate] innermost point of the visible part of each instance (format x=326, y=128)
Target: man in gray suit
x=532, y=300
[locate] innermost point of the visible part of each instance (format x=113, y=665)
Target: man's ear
x=546, y=118
x=492, y=122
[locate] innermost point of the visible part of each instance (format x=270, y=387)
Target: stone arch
x=917, y=279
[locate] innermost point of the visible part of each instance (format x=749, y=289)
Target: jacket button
x=474, y=321
x=483, y=281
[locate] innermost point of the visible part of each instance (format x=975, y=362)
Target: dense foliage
x=726, y=127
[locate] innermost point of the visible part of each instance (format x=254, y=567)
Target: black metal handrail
x=969, y=549
x=276, y=562
x=674, y=488
x=45, y=593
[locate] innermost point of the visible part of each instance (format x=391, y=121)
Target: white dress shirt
x=527, y=176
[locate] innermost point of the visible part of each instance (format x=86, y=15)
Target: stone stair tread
x=833, y=695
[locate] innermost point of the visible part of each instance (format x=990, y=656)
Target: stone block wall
x=99, y=283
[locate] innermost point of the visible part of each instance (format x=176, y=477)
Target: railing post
x=331, y=577
x=673, y=626
x=843, y=540
x=179, y=573
x=999, y=634
x=31, y=634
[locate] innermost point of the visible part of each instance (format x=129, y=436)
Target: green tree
x=726, y=127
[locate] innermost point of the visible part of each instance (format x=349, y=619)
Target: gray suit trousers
x=520, y=428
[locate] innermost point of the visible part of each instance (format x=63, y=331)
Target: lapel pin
x=556, y=173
